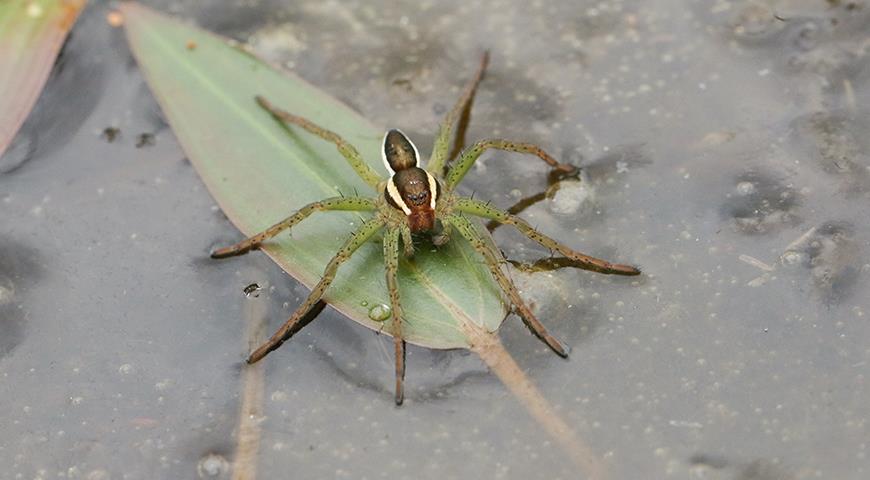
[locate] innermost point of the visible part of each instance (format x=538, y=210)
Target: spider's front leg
x=391, y=264
x=363, y=169
x=467, y=230
x=334, y=203
x=471, y=154
x=294, y=323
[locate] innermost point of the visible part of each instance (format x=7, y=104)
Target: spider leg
x=468, y=230
x=363, y=169
x=291, y=326
x=481, y=209
x=471, y=154
x=460, y=112
x=442, y=235
x=391, y=262
x=334, y=203
x=407, y=240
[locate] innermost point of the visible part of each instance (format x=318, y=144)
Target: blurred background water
x=725, y=151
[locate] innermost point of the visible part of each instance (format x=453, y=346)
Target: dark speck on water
x=252, y=290
x=110, y=134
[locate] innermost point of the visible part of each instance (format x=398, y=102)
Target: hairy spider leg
x=391, y=264
x=359, y=237
x=348, y=151
x=355, y=204
x=460, y=111
x=471, y=154
x=407, y=240
x=467, y=230
x=481, y=209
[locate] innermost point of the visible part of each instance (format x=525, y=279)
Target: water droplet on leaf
x=379, y=312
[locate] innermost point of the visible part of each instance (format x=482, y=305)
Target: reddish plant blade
x=31, y=34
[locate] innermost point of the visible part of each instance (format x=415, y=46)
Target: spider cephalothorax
x=414, y=200
x=410, y=189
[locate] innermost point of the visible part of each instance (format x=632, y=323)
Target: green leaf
x=31, y=34
x=259, y=175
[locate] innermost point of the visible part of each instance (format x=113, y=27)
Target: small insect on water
x=417, y=201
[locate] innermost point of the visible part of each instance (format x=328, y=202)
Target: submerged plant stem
x=492, y=352
x=253, y=386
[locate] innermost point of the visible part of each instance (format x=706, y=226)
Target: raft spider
x=414, y=200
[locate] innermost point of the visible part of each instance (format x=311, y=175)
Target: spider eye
x=417, y=198
x=398, y=152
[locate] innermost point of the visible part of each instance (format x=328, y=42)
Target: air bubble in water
x=212, y=465
x=791, y=257
x=745, y=188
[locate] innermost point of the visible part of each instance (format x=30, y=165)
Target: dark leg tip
x=223, y=252
x=556, y=346
x=567, y=168
x=400, y=392
x=562, y=171
x=259, y=353
x=232, y=252
x=627, y=270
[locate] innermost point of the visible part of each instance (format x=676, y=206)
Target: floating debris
x=252, y=290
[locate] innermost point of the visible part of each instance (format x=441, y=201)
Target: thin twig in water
x=253, y=385
x=492, y=352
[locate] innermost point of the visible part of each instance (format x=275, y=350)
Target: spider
x=415, y=201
